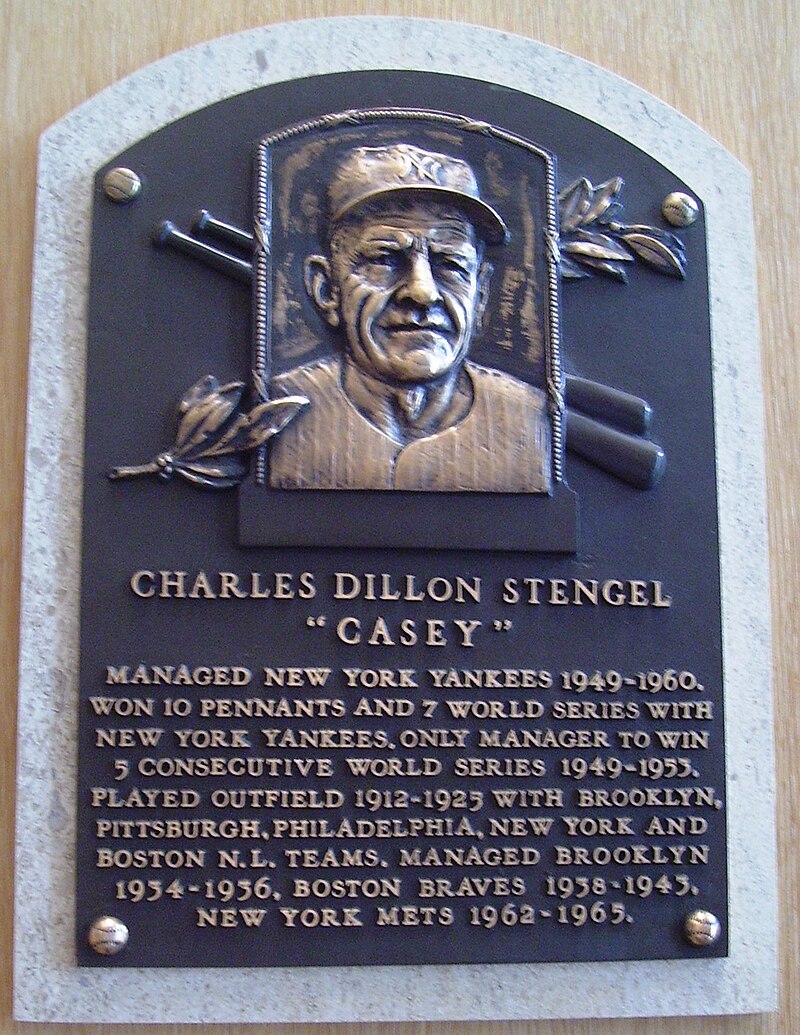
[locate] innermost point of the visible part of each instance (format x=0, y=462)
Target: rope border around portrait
x=262, y=266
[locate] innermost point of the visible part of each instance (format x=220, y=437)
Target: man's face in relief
x=409, y=287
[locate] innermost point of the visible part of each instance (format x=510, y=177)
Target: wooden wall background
x=733, y=66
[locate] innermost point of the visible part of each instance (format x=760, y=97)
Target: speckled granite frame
x=48, y=985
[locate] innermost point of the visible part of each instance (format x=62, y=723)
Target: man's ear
x=321, y=289
x=484, y=276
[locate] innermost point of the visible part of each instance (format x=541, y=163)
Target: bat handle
x=204, y=222
x=637, y=461
x=167, y=233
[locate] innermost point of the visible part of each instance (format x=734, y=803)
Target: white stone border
x=48, y=986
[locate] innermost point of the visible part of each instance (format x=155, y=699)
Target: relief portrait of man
x=403, y=286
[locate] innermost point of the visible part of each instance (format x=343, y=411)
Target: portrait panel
x=452, y=386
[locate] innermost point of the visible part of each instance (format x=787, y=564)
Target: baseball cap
x=370, y=173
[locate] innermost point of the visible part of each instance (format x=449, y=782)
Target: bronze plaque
x=436, y=677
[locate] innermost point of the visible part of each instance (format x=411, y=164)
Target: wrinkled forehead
x=436, y=221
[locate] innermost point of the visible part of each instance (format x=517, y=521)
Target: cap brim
x=483, y=216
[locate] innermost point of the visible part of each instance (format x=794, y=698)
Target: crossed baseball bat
x=605, y=425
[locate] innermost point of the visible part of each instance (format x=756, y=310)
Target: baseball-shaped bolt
x=108, y=935
x=122, y=185
x=701, y=928
x=679, y=209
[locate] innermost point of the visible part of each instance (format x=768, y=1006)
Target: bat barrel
x=627, y=412
x=637, y=461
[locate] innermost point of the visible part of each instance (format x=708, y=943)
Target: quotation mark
x=502, y=624
x=316, y=623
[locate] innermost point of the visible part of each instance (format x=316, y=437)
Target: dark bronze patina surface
x=522, y=670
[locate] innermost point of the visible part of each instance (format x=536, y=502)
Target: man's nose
x=418, y=285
